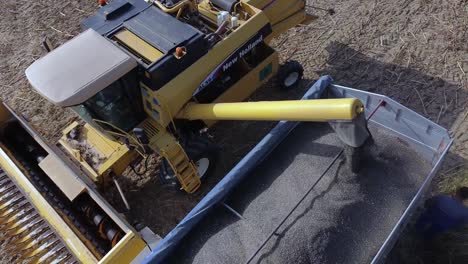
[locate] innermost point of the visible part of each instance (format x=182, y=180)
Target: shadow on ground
x=430, y=96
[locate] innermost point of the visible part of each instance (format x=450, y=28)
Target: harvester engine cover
x=127, y=24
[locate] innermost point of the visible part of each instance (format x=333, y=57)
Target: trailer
x=292, y=200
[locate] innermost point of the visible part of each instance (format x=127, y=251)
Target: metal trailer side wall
x=429, y=139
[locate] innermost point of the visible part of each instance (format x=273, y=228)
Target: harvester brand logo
x=235, y=57
x=242, y=53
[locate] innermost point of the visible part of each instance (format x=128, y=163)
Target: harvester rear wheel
x=290, y=75
x=200, y=150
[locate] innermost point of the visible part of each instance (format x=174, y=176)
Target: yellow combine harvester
x=145, y=76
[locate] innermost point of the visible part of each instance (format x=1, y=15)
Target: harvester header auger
x=148, y=79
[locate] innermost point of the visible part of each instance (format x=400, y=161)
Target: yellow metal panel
x=278, y=10
x=260, y=4
x=126, y=250
x=75, y=153
x=284, y=9
x=119, y=162
x=138, y=45
x=281, y=13
x=205, y=9
x=46, y=211
x=103, y=144
x=309, y=19
x=116, y=156
x=299, y=110
x=287, y=24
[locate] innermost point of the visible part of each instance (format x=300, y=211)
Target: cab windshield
x=118, y=104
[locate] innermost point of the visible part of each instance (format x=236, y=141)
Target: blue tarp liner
x=232, y=179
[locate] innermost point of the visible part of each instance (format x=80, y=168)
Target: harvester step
x=183, y=167
x=187, y=174
x=178, y=160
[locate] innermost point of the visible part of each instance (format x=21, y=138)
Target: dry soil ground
x=415, y=51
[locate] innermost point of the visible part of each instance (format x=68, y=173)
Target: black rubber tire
x=166, y=175
x=197, y=146
x=286, y=70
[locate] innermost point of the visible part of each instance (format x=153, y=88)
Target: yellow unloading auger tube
x=320, y=110
x=345, y=116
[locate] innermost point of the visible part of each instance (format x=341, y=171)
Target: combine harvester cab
x=292, y=200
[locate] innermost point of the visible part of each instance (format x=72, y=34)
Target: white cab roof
x=80, y=68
